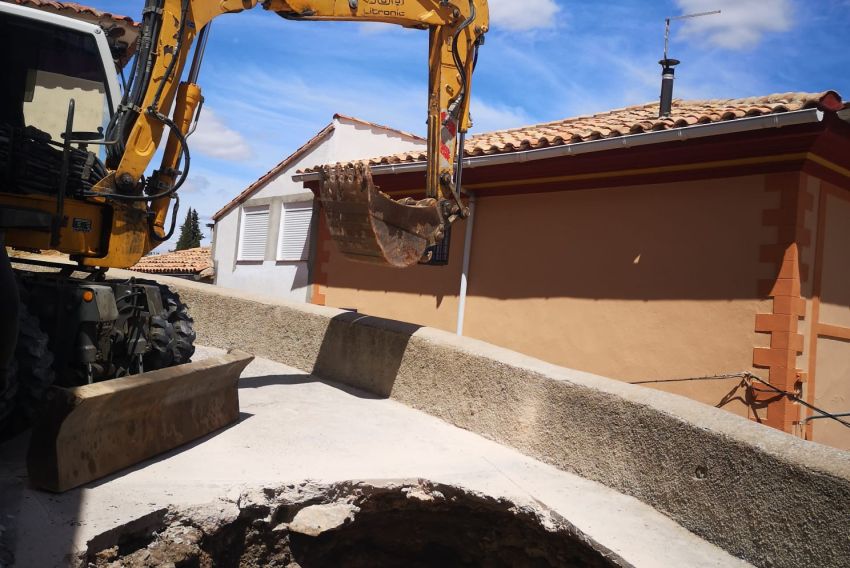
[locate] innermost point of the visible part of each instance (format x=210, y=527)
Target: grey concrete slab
x=296, y=428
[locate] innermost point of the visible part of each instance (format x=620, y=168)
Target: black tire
x=161, y=339
x=177, y=344
x=30, y=377
x=183, y=326
x=7, y=398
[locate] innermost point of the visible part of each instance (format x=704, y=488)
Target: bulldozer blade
x=88, y=432
x=369, y=226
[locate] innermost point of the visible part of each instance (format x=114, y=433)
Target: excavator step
x=85, y=433
x=368, y=226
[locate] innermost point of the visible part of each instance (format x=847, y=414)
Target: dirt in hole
x=353, y=524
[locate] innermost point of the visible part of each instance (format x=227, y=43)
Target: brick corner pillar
x=785, y=345
x=789, y=305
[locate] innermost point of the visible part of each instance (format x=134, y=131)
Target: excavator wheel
x=7, y=398
x=29, y=378
x=172, y=333
x=182, y=325
x=162, y=343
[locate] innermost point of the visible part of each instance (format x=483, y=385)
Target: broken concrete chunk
x=315, y=520
x=212, y=517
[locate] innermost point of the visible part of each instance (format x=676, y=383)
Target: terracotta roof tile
x=70, y=8
x=189, y=261
x=630, y=120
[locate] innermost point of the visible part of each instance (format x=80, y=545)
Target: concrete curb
x=762, y=495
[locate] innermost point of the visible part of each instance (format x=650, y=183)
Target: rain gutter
x=779, y=120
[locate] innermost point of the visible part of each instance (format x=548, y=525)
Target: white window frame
x=300, y=212
x=249, y=214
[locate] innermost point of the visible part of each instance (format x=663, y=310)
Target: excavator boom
x=168, y=30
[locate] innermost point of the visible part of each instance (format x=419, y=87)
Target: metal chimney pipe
x=668, y=76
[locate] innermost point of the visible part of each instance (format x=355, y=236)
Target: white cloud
x=285, y=111
x=488, y=117
x=373, y=28
x=741, y=23
x=215, y=139
x=522, y=16
x=195, y=183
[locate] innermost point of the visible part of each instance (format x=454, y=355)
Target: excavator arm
x=366, y=224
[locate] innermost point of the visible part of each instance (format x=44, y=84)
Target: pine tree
x=197, y=235
x=190, y=232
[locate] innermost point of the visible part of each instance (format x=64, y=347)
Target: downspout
x=464, y=276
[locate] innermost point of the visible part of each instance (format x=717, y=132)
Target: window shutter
x=255, y=229
x=294, y=231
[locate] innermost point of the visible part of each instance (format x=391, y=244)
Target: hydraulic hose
x=184, y=149
x=170, y=233
x=461, y=67
x=122, y=120
x=178, y=48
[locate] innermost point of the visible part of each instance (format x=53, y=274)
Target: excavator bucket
x=91, y=431
x=369, y=226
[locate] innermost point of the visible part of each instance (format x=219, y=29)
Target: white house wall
x=349, y=140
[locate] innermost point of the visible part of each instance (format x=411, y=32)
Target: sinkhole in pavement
x=352, y=524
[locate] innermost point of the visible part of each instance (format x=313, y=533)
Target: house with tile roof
x=689, y=253
x=262, y=237
x=190, y=264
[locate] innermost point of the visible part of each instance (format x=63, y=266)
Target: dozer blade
x=368, y=226
x=87, y=432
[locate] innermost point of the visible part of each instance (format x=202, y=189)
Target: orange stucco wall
x=425, y=295
x=640, y=283
x=832, y=354
x=835, y=287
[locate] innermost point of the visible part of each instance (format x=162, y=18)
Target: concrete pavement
x=295, y=428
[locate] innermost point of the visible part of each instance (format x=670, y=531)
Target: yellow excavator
x=101, y=367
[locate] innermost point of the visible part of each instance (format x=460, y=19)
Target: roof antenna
x=668, y=72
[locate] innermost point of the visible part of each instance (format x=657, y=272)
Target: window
x=44, y=67
x=254, y=233
x=294, y=232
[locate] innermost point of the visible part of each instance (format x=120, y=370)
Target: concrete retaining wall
x=762, y=495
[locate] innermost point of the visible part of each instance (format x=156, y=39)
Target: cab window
x=43, y=68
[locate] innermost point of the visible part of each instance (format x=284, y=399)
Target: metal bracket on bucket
x=369, y=226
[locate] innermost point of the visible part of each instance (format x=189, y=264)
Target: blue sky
x=271, y=84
